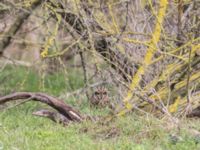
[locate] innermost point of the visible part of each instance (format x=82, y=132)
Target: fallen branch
x=54, y=116
x=64, y=109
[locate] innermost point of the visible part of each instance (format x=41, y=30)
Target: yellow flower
x=173, y=108
x=44, y=53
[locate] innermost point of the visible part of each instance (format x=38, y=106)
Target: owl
x=100, y=97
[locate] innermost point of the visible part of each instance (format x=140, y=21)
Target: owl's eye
x=96, y=93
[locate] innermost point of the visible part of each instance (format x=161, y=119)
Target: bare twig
x=84, y=73
x=188, y=108
x=16, y=26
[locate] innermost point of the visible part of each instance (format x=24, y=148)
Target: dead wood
x=64, y=109
x=54, y=116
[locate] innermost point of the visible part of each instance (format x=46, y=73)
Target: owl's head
x=100, y=97
x=100, y=93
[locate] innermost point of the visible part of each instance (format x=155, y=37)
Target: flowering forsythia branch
x=148, y=57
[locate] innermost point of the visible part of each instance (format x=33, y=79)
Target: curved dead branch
x=64, y=109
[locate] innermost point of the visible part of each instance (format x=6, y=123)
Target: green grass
x=23, y=79
x=19, y=130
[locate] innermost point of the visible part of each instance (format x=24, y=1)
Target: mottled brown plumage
x=195, y=113
x=100, y=97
